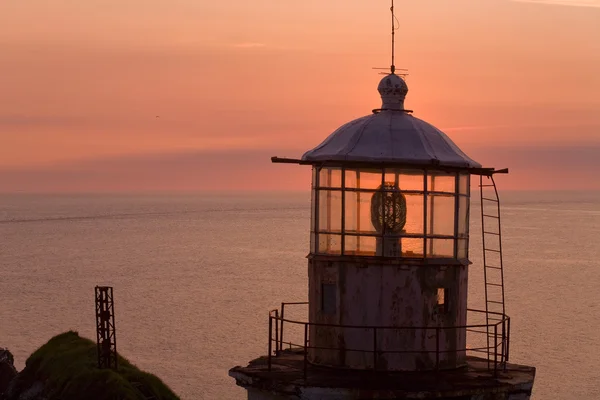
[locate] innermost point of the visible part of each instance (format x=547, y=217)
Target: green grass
x=67, y=365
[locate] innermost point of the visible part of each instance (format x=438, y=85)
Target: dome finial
x=393, y=90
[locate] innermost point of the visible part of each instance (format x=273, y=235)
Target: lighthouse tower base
x=291, y=379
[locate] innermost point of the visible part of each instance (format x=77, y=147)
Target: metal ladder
x=493, y=271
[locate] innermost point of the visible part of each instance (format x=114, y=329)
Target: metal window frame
x=428, y=211
x=445, y=306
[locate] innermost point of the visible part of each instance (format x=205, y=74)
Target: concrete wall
x=387, y=294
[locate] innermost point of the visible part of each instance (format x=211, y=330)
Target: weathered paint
x=388, y=295
x=256, y=394
x=330, y=394
x=287, y=378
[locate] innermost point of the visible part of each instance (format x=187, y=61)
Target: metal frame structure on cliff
x=106, y=337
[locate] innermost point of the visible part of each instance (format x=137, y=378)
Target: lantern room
x=390, y=212
x=390, y=185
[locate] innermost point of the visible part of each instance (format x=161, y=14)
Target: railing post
x=503, y=358
x=507, y=339
x=437, y=348
x=270, y=344
x=496, y=350
x=281, y=330
x=305, y=349
x=375, y=349
x=276, y=332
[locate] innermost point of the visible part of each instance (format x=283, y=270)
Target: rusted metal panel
x=371, y=296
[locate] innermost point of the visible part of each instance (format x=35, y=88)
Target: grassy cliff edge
x=67, y=368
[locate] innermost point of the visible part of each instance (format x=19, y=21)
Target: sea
x=195, y=275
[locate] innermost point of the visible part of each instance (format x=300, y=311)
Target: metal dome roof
x=391, y=135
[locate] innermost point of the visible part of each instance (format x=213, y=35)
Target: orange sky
x=148, y=95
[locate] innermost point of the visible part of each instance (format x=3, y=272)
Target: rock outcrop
x=8, y=372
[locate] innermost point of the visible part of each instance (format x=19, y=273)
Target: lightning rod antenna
x=393, y=67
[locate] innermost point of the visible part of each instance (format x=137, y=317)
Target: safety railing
x=496, y=353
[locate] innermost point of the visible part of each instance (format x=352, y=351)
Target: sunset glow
x=196, y=95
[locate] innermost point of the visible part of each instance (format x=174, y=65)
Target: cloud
x=543, y=167
x=20, y=120
x=554, y=159
x=532, y=167
x=465, y=128
x=241, y=170
x=572, y=3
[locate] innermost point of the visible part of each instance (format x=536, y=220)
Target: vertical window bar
x=383, y=194
x=328, y=203
x=343, y=244
x=424, y=230
x=312, y=210
x=468, y=222
x=456, y=205
x=316, y=206
x=358, y=194
x=432, y=212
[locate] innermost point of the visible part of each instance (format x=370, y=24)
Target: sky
x=146, y=95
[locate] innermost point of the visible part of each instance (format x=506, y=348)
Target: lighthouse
x=388, y=314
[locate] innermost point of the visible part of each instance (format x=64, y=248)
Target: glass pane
x=360, y=245
x=463, y=215
x=412, y=247
x=440, y=248
x=324, y=176
x=414, y=214
x=313, y=206
x=314, y=177
x=440, y=215
x=351, y=211
x=412, y=180
x=441, y=182
x=330, y=177
x=405, y=179
x=463, y=249
x=336, y=212
x=351, y=179
x=350, y=244
x=369, y=179
x=464, y=181
x=330, y=244
x=358, y=212
x=367, y=245
x=330, y=211
x=312, y=242
x=391, y=178
x=441, y=296
x=336, y=178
